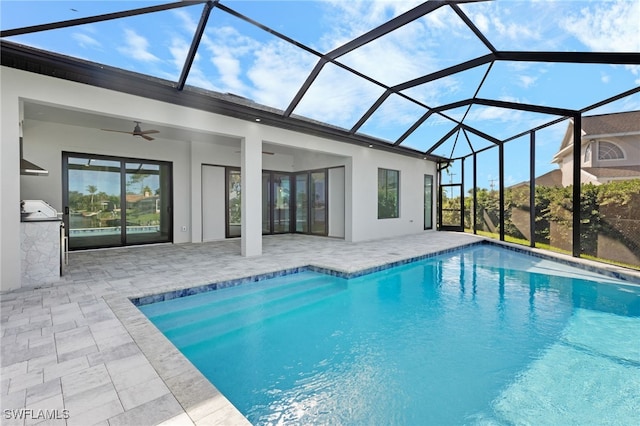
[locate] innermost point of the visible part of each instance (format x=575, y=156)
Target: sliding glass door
x=302, y=196
x=266, y=203
x=234, y=206
x=281, y=206
x=302, y=203
x=110, y=201
x=148, y=186
x=318, y=204
x=311, y=202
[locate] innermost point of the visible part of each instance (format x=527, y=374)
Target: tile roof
x=552, y=178
x=609, y=124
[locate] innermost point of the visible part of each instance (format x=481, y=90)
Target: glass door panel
x=302, y=203
x=147, y=192
x=281, y=206
x=111, y=201
x=428, y=202
x=93, y=200
x=266, y=203
x=319, y=203
x=234, y=192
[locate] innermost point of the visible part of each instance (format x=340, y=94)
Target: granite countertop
x=39, y=219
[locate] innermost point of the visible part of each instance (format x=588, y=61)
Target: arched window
x=609, y=151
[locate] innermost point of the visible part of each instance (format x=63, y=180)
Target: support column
x=251, y=202
x=577, y=171
x=10, y=266
x=475, y=193
x=532, y=188
x=501, y=188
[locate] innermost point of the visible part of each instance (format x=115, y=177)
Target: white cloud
x=516, y=25
x=635, y=69
x=612, y=26
x=481, y=22
x=178, y=49
x=137, y=47
x=605, y=78
x=489, y=113
x=513, y=30
x=338, y=98
x=188, y=24
x=85, y=41
x=526, y=81
x=278, y=71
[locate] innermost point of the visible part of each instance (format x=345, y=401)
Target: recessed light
x=370, y=145
x=257, y=119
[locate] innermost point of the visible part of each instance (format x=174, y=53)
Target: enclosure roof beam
x=195, y=42
x=97, y=18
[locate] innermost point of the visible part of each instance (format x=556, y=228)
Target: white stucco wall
x=44, y=142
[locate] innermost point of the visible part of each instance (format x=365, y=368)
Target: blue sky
x=238, y=58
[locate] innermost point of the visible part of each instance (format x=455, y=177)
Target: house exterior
x=609, y=149
x=55, y=121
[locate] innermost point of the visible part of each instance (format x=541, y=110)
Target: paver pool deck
x=79, y=350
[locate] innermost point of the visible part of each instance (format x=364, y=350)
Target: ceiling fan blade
x=117, y=131
x=148, y=132
x=142, y=135
x=264, y=152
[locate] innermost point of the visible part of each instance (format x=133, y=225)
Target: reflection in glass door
x=266, y=202
x=281, y=206
x=93, y=202
x=147, y=187
x=302, y=203
x=234, y=208
x=113, y=202
x=319, y=203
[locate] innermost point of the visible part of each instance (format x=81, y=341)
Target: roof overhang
x=42, y=62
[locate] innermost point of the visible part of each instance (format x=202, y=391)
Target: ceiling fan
x=137, y=131
x=264, y=152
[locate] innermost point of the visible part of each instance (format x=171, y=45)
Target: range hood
x=28, y=168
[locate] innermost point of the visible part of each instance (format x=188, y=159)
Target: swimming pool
x=482, y=335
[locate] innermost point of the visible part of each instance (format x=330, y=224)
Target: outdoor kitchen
x=42, y=243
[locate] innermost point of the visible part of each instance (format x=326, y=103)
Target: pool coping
x=201, y=400
x=610, y=271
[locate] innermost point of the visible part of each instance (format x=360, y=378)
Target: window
x=609, y=151
x=388, y=193
x=428, y=202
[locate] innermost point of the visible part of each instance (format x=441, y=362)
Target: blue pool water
x=478, y=336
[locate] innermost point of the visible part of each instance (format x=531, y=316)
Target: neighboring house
x=552, y=178
x=609, y=149
x=143, y=203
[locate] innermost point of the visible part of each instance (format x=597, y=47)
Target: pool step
x=216, y=322
x=193, y=308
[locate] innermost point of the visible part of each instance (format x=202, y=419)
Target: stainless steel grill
x=34, y=210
